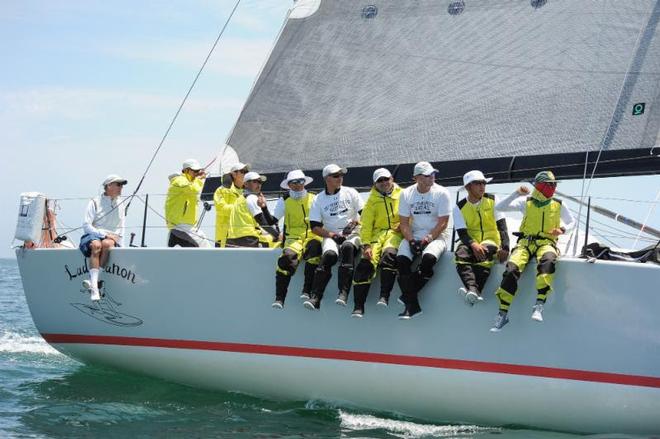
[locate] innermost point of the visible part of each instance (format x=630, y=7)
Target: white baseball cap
x=471, y=176
x=333, y=169
x=238, y=166
x=296, y=174
x=380, y=173
x=192, y=164
x=114, y=178
x=254, y=176
x=424, y=168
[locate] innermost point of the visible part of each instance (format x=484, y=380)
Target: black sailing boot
x=321, y=278
x=360, y=293
x=307, y=282
x=387, y=279
x=281, y=286
x=345, y=277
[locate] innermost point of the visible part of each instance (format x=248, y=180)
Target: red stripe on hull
x=367, y=357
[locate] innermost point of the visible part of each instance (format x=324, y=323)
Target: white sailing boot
x=537, y=314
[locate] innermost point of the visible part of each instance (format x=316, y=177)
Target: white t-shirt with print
x=337, y=210
x=424, y=209
x=253, y=206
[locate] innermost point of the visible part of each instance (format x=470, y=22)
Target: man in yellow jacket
x=225, y=199
x=539, y=230
x=181, y=206
x=299, y=240
x=381, y=238
x=483, y=235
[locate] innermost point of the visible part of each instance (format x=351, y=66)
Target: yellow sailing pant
x=546, y=253
x=381, y=240
x=298, y=246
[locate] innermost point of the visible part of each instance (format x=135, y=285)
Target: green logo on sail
x=638, y=109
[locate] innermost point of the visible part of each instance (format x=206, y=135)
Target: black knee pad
x=388, y=259
x=403, y=264
x=363, y=271
x=328, y=259
x=547, y=263
x=313, y=249
x=462, y=253
x=347, y=251
x=511, y=269
x=426, y=266
x=288, y=261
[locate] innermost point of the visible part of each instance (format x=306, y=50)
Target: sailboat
x=510, y=87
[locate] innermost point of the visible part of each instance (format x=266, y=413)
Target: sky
x=88, y=88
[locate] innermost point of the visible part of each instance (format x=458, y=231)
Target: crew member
x=299, y=240
x=424, y=210
x=381, y=237
x=335, y=216
x=181, y=206
x=225, y=199
x=539, y=231
x=247, y=212
x=483, y=235
x=104, y=229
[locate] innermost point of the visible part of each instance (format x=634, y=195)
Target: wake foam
x=407, y=429
x=15, y=343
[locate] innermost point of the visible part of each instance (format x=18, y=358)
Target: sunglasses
x=255, y=181
x=242, y=171
x=336, y=175
x=480, y=183
x=297, y=181
x=383, y=180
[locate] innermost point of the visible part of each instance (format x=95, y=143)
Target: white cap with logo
x=250, y=176
x=114, y=178
x=471, y=176
x=380, y=173
x=238, y=166
x=424, y=168
x=191, y=164
x=333, y=169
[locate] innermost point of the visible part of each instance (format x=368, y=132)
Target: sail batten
x=501, y=79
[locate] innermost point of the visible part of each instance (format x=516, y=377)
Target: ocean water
x=44, y=394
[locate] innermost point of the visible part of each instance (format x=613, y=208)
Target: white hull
x=203, y=317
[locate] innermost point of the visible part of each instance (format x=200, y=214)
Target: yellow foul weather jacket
x=540, y=218
x=181, y=201
x=224, y=200
x=380, y=213
x=480, y=219
x=296, y=217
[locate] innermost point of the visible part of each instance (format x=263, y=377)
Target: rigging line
x=638, y=55
x=176, y=115
x=646, y=220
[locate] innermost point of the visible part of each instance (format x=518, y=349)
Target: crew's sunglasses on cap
x=297, y=181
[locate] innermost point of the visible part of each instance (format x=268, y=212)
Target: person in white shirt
x=540, y=228
x=258, y=207
x=335, y=216
x=104, y=229
x=424, y=210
